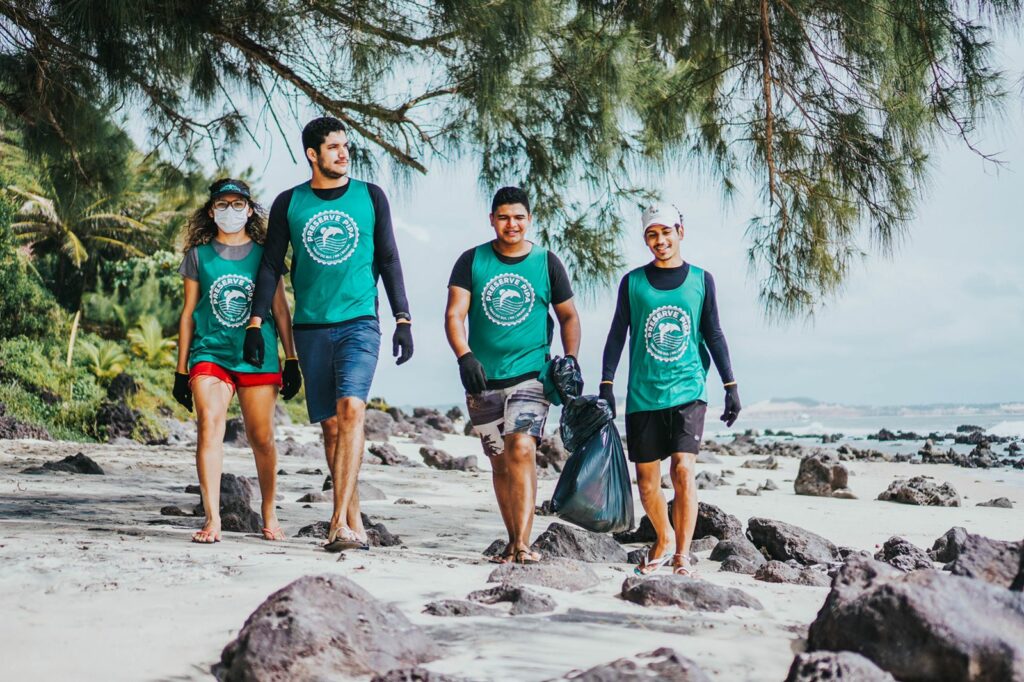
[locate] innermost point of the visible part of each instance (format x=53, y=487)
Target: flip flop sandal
x=273, y=534
x=525, y=557
x=202, y=537
x=649, y=565
x=684, y=568
x=343, y=542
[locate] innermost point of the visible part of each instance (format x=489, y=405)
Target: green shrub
x=105, y=359
x=26, y=307
x=148, y=342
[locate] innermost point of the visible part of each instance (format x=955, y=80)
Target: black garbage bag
x=594, y=490
x=562, y=380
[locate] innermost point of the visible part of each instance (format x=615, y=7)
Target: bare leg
x=500, y=478
x=257, y=403
x=521, y=462
x=212, y=397
x=648, y=480
x=348, y=457
x=684, y=508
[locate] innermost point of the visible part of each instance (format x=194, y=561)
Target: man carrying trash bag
x=669, y=308
x=505, y=287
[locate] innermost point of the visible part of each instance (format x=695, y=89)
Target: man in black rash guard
x=342, y=243
x=670, y=309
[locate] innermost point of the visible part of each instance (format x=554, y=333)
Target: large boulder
x=820, y=666
x=919, y=490
x=388, y=454
x=686, y=593
x=320, y=626
x=903, y=554
x=117, y=420
x=711, y=521
x=433, y=418
x=439, y=459
x=378, y=425
x=738, y=555
x=924, y=625
x=820, y=474
x=569, y=542
x=524, y=600
x=558, y=574
x=667, y=666
x=783, y=541
x=551, y=452
x=234, y=433
x=994, y=561
x=947, y=547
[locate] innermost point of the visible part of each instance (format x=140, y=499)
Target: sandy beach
x=98, y=585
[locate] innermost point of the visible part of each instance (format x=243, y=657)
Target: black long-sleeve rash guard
x=665, y=279
x=386, y=263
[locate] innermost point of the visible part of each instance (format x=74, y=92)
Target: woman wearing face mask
x=222, y=256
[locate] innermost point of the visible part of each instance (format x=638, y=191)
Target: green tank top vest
x=225, y=301
x=667, y=360
x=332, y=244
x=508, y=313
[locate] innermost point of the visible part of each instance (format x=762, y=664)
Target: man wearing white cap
x=670, y=310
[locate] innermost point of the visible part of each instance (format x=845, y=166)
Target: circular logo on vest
x=330, y=237
x=508, y=299
x=231, y=298
x=667, y=333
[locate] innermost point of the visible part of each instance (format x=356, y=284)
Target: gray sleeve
x=189, y=268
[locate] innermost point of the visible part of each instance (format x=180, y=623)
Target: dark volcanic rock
x=117, y=420
x=317, y=529
x=749, y=493
x=947, y=547
x=993, y=561
x=236, y=514
x=668, y=666
x=323, y=623
x=377, y=535
x=122, y=387
x=495, y=547
x=686, y=593
x=820, y=474
x=923, y=625
x=439, y=459
x=432, y=418
x=711, y=520
x=234, y=433
x=72, y=464
x=707, y=480
x=904, y=555
x=551, y=452
x=822, y=666
x=173, y=510
x=416, y=674
x=558, y=574
x=569, y=542
x=738, y=555
x=314, y=497
x=378, y=425
x=456, y=608
x=524, y=600
x=767, y=463
x=1000, y=502
x=12, y=429
x=385, y=453
x=783, y=541
x=919, y=490
x=780, y=572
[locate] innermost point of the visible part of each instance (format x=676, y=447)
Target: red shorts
x=235, y=379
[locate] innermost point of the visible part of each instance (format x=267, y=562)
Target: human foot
x=504, y=556
x=209, y=534
x=681, y=566
x=653, y=560
x=272, y=528
x=342, y=538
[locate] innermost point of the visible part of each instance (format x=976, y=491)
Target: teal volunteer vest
x=508, y=313
x=224, y=307
x=667, y=362
x=332, y=243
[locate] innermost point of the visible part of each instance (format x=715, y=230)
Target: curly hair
x=201, y=229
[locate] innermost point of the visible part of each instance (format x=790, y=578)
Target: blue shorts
x=337, y=362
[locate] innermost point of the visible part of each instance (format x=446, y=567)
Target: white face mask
x=230, y=220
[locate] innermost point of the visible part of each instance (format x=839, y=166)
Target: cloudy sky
x=941, y=321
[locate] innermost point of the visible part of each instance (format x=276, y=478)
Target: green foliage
x=104, y=359
x=378, y=403
x=148, y=342
x=26, y=307
x=829, y=107
x=139, y=288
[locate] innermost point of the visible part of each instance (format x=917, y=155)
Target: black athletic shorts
x=654, y=435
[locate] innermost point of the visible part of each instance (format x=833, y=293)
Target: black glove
x=252, y=347
x=606, y=393
x=401, y=342
x=732, y=405
x=182, y=392
x=292, y=378
x=474, y=379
